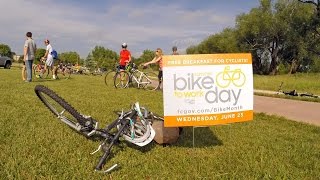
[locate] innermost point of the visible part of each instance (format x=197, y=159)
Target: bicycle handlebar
x=105, y=155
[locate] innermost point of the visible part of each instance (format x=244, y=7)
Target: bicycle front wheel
x=63, y=111
x=37, y=70
x=150, y=81
x=121, y=79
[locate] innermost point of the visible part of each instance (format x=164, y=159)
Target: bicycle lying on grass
x=134, y=125
x=295, y=92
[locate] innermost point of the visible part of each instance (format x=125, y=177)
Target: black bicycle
x=133, y=125
x=295, y=92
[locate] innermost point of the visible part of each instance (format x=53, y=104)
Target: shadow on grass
x=203, y=137
x=50, y=79
x=198, y=137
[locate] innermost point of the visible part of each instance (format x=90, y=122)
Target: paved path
x=301, y=111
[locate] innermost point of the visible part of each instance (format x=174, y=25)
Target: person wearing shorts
x=125, y=57
x=50, y=62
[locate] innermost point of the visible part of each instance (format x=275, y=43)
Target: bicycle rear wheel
x=150, y=81
x=63, y=111
x=121, y=79
x=109, y=77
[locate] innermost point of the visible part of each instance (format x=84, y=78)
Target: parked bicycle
x=133, y=125
x=39, y=69
x=111, y=73
x=64, y=70
x=133, y=76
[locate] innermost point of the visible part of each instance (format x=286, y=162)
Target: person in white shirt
x=49, y=60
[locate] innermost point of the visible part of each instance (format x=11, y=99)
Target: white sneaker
x=54, y=77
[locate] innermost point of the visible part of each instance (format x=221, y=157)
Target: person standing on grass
x=50, y=62
x=29, y=52
x=157, y=59
x=125, y=57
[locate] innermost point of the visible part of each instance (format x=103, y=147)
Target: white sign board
x=207, y=89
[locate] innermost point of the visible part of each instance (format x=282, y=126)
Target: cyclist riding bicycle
x=125, y=57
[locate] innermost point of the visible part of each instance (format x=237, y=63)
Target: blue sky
x=80, y=25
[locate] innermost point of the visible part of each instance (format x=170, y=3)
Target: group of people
x=29, y=52
x=125, y=58
x=30, y=48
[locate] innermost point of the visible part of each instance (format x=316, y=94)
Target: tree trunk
x=273, y=67
x=274, y=62
x=274, y=50
x=293, y=68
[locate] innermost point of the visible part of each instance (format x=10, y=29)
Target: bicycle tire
x=123, y=78
x=34, y=69
x=37, y=72
x=150, y=81
x=109, y=76
x=42, y=92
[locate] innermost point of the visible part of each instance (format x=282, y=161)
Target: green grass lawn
x=35, y=145
x=301, y=82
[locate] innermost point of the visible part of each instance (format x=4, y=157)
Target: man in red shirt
x=125, y=56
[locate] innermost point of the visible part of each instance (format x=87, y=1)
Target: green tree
x=262, y=33
x=69, y=57
x=223, y=42
x=39, y=54
x=104, y=58
x=282, y=32
x=5, y=50
x=294, y=16
x=146, y=56
x=89, y=61
x=192, y=50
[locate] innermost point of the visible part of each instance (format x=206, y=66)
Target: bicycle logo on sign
x=227, y=76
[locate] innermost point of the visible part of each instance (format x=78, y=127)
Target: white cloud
x=78, y=29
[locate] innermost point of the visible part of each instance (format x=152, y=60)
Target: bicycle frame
x=133, y=125
x=90, y=129
x=138, y=80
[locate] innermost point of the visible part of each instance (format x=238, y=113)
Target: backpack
x=54, y=54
